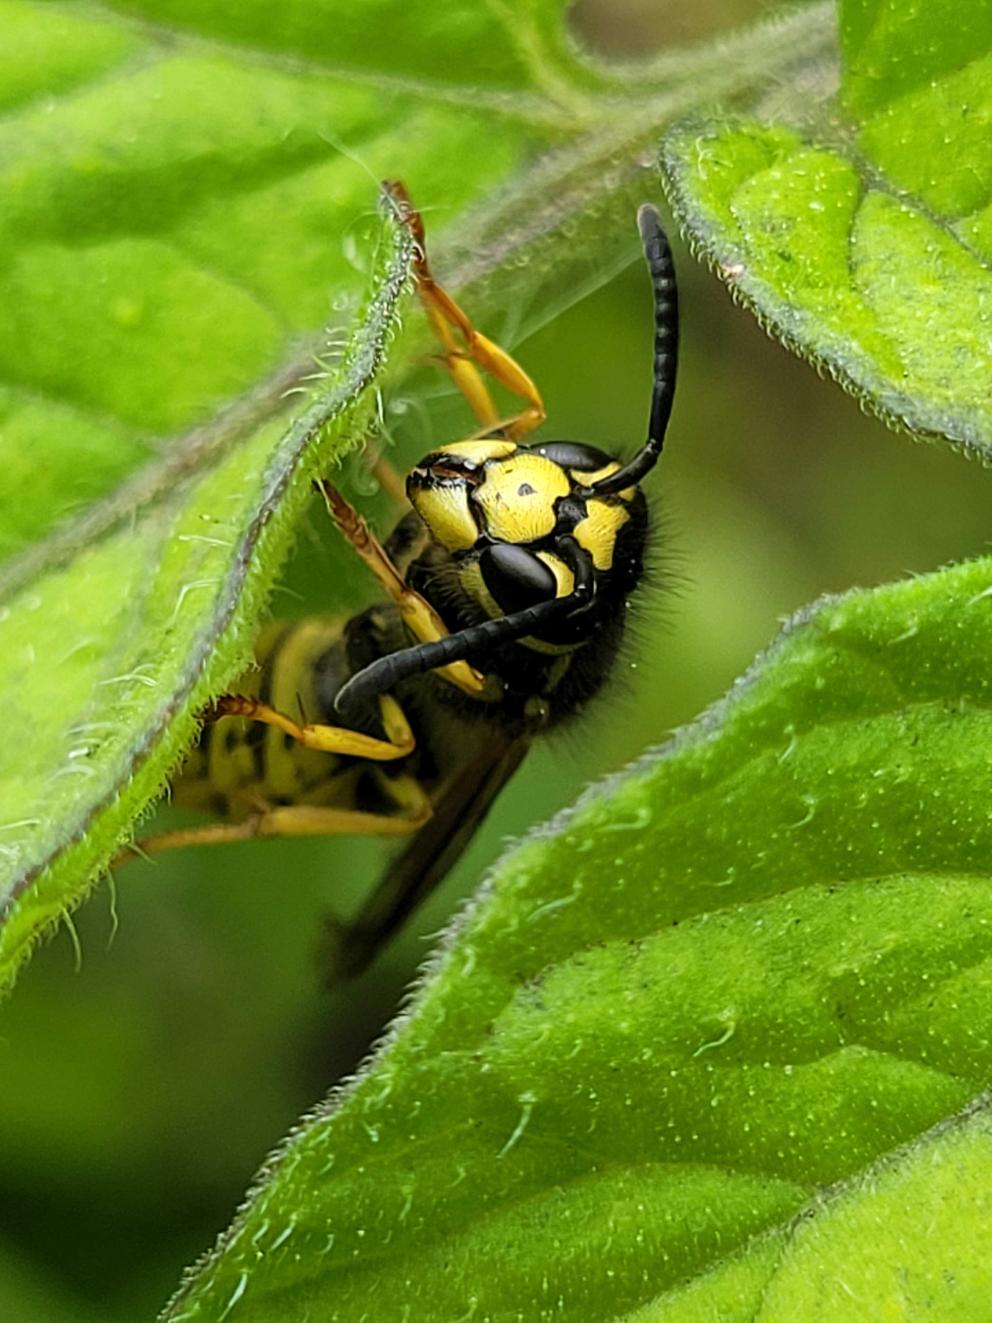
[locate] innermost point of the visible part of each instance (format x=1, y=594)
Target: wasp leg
x=424, y=622
x=295, y=820
x=478, y=351
x=389, y=480
x=398, y=743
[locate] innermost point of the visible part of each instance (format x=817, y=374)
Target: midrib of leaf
x=710, y=70
x=189, y=454
x=785, y=1272
x=556, y=107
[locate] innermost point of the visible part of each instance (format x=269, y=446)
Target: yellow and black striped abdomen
x=238, y=766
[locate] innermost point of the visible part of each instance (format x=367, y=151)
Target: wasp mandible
x=505, y=591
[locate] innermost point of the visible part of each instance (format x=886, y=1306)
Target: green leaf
x=890, y=49
x=862, y=241
x=125, y=644
x=835, y=1267
x=729, y=1014
x=730, y=996
x=196, y=203
x=473, y=47
x=187, y=202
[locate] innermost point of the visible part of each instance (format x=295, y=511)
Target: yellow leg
x=294, y=820
x=478, y=351
x=389, y=480
x=326, y=739
x=424, y=622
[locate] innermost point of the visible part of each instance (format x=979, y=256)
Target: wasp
x=505, y=591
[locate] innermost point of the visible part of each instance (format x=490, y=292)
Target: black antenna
x=382, y=674
x=658, y=253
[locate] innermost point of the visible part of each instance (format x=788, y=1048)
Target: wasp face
x=499, y=509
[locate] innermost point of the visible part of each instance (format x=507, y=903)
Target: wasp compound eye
x=515, y=577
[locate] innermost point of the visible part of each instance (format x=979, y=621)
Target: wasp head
x=501, y=510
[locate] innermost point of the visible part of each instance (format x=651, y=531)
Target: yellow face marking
x=480, y=450
x=565, y=580
x=597, y=533
x=518, y=497
x=564, y=577
x=470, y=578
x=444, y=509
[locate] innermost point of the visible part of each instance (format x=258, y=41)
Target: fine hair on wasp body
x=505, y=590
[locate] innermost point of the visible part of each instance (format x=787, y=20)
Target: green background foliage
x=717, y=1044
